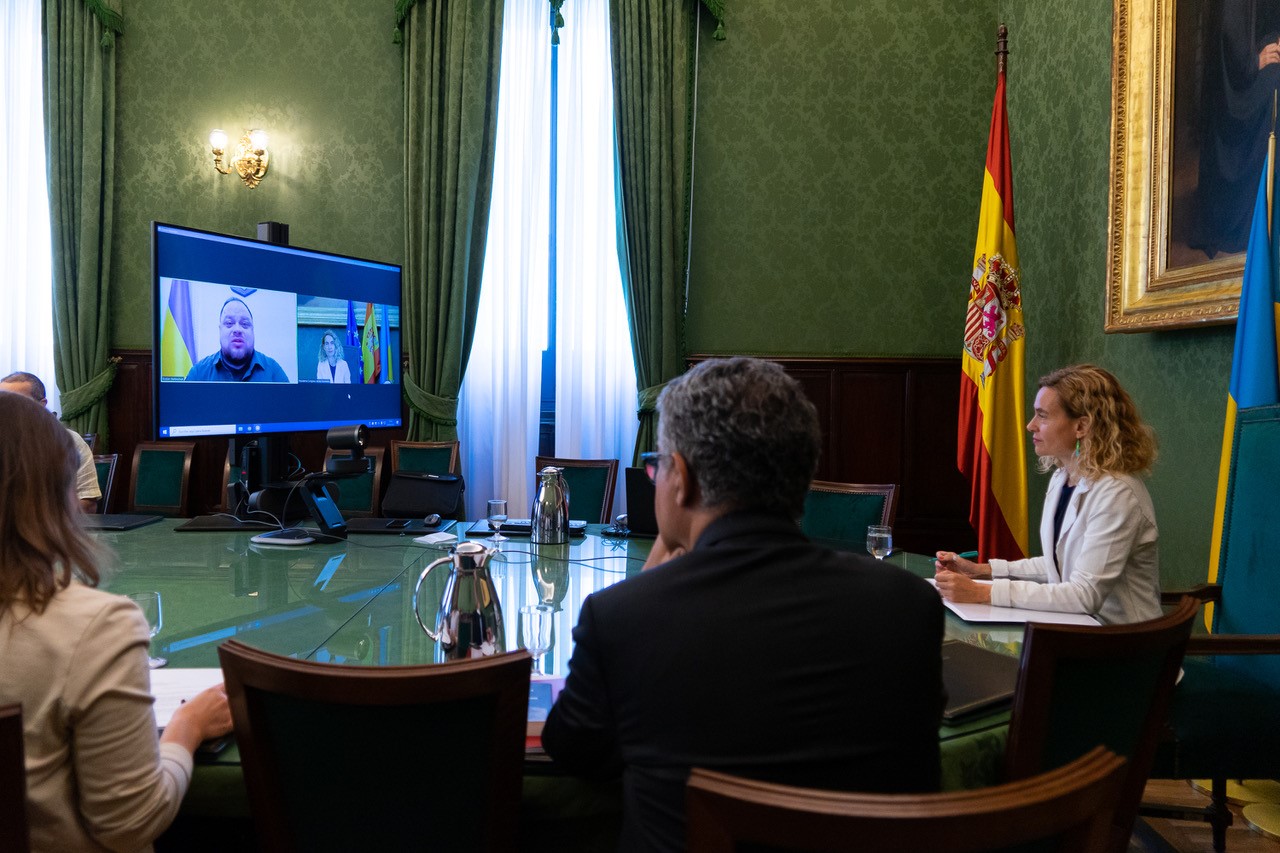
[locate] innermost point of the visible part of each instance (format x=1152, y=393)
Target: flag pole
x=1271, y=157
x=1002, y=49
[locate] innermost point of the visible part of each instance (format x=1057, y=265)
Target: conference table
x=350, y=602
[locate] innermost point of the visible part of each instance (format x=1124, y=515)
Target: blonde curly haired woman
x=1097, y=513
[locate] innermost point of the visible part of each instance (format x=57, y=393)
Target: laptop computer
x=978, y=681
x=641, y=519
x=118, y=520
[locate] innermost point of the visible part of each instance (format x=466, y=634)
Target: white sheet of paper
x=991, y=613
x=174, y=685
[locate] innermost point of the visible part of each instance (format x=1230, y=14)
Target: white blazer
x=341, y=374
x=1108, y=559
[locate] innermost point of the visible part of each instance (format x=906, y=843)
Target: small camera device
x=353, y=438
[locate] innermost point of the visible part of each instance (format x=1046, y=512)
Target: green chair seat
x=842, y=512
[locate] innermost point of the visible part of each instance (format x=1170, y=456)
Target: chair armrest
x=1234, y=644
x=1203, y=593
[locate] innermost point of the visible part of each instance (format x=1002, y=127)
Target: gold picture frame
x=1145, y=291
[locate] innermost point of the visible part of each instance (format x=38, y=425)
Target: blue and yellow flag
x=352, y=344
x=1255, y=367
x=177, y=337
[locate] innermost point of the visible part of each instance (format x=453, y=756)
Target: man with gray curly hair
x=745, y=647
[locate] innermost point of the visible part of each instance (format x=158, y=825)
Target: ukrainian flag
x=177, y=337
x=1255, y=368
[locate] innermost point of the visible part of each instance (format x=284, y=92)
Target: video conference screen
x=252, y=337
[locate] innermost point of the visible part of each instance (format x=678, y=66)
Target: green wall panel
x=839, y=160
x=322, y=77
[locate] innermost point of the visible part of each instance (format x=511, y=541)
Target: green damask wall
x=839, y=159
x=839, y=166
x=321, y=76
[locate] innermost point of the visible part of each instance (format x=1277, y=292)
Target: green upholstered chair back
x=843, y=511
x=341, y=757
x=105, y=465
x=1083, y=686
x=160, y=476
x=361, y=495
x=425, y=457
x=1251, y=541
x=14, y=832
x=591, y=485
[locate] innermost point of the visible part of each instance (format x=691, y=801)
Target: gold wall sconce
x=250, y=160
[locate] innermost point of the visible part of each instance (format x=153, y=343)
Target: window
x=551, y=278
x=26, y=330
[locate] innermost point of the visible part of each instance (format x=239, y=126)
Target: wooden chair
x=359, y=496
x=844, y=511
x=424, y=457
x=1084, y=686
x=340, y=757
x=91, y=439
x=591, y=485
x=1222, y=723
x=14, y=832
x=1068, y=809
x=160, y=477
x=106, y=467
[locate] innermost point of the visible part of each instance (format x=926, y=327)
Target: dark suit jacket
x=757, y=653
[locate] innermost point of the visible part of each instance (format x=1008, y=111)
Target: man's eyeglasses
x=650, y=462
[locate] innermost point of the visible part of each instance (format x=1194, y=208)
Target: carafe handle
x=434, y=635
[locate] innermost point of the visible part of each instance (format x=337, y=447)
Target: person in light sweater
x=98, y=775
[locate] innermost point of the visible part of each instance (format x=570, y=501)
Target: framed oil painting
x=1193, y=85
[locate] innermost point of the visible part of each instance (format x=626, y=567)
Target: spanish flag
x=991, y=448
x=1255, y=366
x=177, y=337
x=371, y=353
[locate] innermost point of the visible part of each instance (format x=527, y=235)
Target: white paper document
x=174, y=685
x=991, y=613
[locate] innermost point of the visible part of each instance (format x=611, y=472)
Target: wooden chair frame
x=396, y=444
x=1071, y=804
x=1218, y=813
x=251, y=672
x=378, y=455
x=187, y=448
x=111, y=460
x=889, y=491
x=14, y=832
x=1045, y=646
x=610, y=486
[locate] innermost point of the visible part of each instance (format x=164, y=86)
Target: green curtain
x=452, y=52
x=80, y=118
x=653, y=55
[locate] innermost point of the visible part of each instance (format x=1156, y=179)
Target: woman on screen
x=1097, y=513
x=75, y=657
x=331, y=367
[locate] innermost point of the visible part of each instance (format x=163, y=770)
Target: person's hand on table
x=206, y=716
x=661, y=553
x=961, y=589
x=949, y=561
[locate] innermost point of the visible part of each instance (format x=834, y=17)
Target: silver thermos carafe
x=550, y=512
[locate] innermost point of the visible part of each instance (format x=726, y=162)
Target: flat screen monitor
x=258, y=339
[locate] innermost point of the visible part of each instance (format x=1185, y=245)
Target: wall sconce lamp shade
x=250, y=160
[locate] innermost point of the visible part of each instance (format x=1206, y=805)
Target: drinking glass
x=535, y=631
x=149, y=603
x=497, y=515
x=880, y=540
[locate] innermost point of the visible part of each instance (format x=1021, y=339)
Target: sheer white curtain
x=595, y=371
x=595, y=376
x=498, y=403
x=26, y=325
